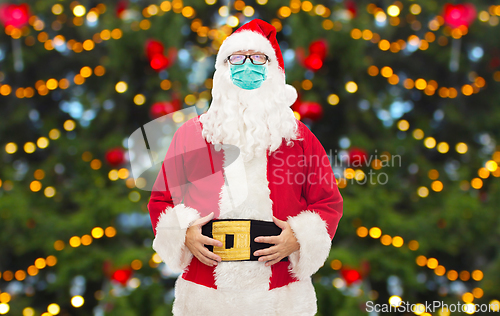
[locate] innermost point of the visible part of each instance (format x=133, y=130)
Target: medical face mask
x=248, y=76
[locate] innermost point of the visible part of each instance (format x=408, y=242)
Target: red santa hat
x=260, y=36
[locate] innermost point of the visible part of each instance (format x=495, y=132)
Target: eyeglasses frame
x=245, y=60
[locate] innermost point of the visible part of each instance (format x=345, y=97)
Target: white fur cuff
x=315, y=243
x=171, y=235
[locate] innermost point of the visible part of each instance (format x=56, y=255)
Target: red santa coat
x=295, y=184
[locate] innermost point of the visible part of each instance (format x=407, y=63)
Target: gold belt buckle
x=241, y=232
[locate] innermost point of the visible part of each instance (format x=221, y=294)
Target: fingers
x=206, y=256
x=202, y=221
x=205, y=260
x=268, y=239
x=281, y=224
x=266, y=251
x=273, y=257
x=269, y=255
x=210, y=255
x=210, y=241
x=270, y=263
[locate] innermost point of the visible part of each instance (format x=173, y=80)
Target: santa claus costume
x=246, y=159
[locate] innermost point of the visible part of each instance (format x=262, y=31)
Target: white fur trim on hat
x=171, y=236
x=290, y=94
x=315, y=243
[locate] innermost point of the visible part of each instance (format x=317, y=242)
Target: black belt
x=237, y=237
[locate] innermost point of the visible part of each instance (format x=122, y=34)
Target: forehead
x=248, y=52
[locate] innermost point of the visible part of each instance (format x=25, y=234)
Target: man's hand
x=196, y=242
x=284, y=244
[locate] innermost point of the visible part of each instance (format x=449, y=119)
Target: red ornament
x=310, y=110
x=459, y=15
x=352, y=8
x=317, y=53
x=350, y=276
x=357, y=157
x=115, y=157
x=157, y=59
x=159, y=62
x=313, y=62
x=121, y=6
x=122, y=275
x=153, y=48
x=159, y=109
x=319, y=48
x=14, y=15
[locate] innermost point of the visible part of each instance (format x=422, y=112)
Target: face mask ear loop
x=266, y=66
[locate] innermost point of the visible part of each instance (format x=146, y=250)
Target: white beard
x=253, y=120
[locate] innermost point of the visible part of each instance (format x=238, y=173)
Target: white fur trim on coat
x=315, y=243
x=245, y=195
x=171, y=235
x=295, y=299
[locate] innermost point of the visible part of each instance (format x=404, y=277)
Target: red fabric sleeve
x=320, y=190
x=163, y=195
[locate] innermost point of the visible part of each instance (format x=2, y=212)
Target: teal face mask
x=248, y=76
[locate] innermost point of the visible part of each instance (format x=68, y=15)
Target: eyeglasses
x=256, y=59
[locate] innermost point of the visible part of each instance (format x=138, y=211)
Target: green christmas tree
x=402, y=95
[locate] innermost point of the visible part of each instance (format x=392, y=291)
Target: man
x=264, y=178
